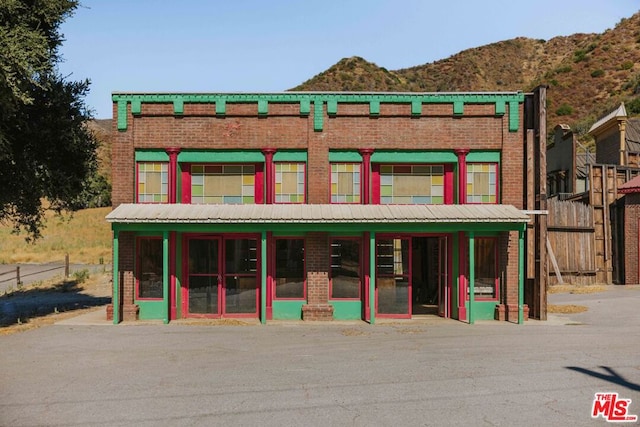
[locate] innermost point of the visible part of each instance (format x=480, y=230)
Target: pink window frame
x=497, y=170
x=360, y=271
x=496, y=280
x=258, y=180
x=138, y=186
x=362, y=186
x=448, y=179
x=139, y=268
x=272, y=268
x=273, y=178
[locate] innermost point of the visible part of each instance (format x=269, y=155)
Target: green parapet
x=304, y=99
x=305, y=107
x=221, y=107
x=263, y=107
x=122, y=114
x=136, y=107
x=416, y=107
x=374, y=107
x=332, y=107
x=318, y=115
x=514, y=116
x=178, y=106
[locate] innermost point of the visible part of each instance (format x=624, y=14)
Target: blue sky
x=274, y=45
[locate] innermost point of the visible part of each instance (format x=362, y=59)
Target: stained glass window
x=290, y=182
x=153, y=182
x=412, y=184
x=481, y=182
x=345, y=183
x=223, y=184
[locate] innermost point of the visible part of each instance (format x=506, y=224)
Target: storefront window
x=153, y=182
x=482, y=184
x=290, y=182
x=289, y=274
x=223, y=184
x=150, y=268
x=345, y=268
x=412, y=184
x=345, y=182
x=485, y=267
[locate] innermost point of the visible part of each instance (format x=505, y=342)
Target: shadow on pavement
x=612, y=376
x=22, y=305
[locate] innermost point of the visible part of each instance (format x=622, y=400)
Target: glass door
x=222, y=277
x=204, y=276
x=393, y=277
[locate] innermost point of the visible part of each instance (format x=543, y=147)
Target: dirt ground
x=45, y=303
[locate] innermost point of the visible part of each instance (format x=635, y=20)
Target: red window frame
x=360, y=269
x=497, y=171
x=258, y=180
x=272, y=268
x=448, y=179
x=138, y=268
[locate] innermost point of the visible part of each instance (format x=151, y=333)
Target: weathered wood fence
x=572, y=242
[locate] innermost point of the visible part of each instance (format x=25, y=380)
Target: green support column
x=165, y=276
x=521, y=277
x=116, y=282
x=472, y=277
x=263, y=278
x=372, y=278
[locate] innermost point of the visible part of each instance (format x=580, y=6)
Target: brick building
x=321, y=206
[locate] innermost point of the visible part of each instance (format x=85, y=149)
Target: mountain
x=587, y=74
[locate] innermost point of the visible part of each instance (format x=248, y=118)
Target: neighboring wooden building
x=322, y=206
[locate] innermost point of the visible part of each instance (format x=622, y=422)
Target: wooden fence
x=571, y=242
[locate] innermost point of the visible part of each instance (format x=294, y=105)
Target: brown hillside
x=587, y=74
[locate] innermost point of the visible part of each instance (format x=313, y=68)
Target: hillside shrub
x=626, y=65
x=633, y=107
x=579, y=55
x=597, y=73
x=564, y=110
x=564, y=69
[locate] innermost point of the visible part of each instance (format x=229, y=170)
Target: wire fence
x=16, y=275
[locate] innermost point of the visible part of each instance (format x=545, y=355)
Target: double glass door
x=222, y=276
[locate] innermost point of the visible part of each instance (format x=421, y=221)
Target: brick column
x=317, y=266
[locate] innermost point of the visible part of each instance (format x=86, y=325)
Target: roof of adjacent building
x=618, y=112
x=631, y=186
x=314, y=214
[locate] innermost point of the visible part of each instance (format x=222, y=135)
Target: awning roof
x=313, y=214
x=631, y=186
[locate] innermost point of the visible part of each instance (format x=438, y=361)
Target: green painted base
x=347, y=310
x=288, y=310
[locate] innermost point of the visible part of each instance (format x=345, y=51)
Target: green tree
x=47, y=152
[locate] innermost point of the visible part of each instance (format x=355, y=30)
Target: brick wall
x=631, y=238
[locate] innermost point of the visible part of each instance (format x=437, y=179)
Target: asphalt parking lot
x=435, y=372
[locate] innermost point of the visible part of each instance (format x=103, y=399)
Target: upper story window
x=482, y=182
x=411, y=184
x=345, y=182
x=223, y=184
x=153, y=182
x=290, y=182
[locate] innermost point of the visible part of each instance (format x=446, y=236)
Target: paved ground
x=85, y=371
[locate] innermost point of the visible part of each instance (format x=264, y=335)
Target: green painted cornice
x=332, y=100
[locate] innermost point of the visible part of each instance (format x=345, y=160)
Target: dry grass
x=85, y=236
x=577, y=289
x=566, y=308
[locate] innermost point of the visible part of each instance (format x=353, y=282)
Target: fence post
x=17, y=275
x=66, y=265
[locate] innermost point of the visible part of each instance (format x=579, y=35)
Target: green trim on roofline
x=413, y=156
x=221, y=156
x=345, y=156
x=483, y=156
x=151, y=156
x=290, y=156
x=319, y=99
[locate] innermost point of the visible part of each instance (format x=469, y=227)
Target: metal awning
x=313, y=214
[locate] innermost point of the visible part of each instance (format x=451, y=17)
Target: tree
x=47, y=152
